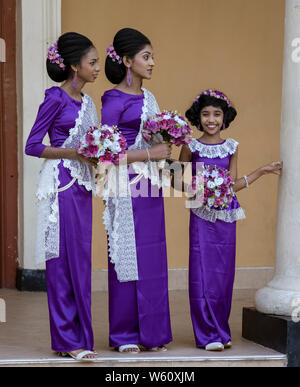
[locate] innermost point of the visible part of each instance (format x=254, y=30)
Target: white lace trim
x=83, y=172
x=149, y=169
x=229, y=147
x=228, y=216
x=47, y=240
x=119, y=223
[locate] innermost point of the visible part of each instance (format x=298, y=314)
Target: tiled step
x=25, y=340
x=226, y=361
x=257, y=356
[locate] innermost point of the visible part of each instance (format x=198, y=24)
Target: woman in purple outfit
x=138, y=273
x=65, y=187
x=213, y=231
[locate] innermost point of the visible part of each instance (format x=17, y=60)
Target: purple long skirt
x=69, y=275
x=211, y=277
x=139, y=310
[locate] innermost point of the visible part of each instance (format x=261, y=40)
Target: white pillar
x=40, y=27
x=279, y=296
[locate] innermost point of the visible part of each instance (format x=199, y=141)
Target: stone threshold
x=158, y=361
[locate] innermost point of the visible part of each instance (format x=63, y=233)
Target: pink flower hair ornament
x=111, y=52
x=54, y=56
x=216, y=94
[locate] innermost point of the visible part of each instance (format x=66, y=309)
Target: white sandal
x=123, y=348
x=216, y=346
x=80, y=356
x=160, y=348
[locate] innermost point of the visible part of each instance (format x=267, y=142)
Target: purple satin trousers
x=69, y=275
x=139, y=310
x=211, y=277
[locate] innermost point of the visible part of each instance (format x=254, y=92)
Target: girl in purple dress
x=65, y=187
x=213, y=231
x=138, y=273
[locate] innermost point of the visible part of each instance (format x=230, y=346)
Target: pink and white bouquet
x=167, y=126
x=213, y=187
x=104, y=143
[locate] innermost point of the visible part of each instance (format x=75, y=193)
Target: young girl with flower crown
x=213, y=230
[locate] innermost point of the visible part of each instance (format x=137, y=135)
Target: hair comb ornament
x=215, y=94
x=111, y=52
x=54, y=56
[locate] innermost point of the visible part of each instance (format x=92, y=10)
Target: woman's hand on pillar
x=274, y=167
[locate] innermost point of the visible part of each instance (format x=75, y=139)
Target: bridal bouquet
x=213, y=187
x=167, y=126
x=104, y=143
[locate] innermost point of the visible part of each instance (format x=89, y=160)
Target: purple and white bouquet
x=104, y=143
x=167, y=126
x=213, y=187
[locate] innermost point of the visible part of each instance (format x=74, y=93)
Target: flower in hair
x=216, y=94
x=54, y=56
x=111, y=52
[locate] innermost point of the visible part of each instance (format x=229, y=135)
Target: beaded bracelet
x=246, y=180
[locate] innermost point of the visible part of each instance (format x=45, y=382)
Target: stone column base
x=276, y=301
x=280, y=333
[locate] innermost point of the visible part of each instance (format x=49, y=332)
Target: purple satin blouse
x=56, y=116
x=123, y=110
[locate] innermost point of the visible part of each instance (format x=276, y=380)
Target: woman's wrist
x=75, y=154
x=262, y=171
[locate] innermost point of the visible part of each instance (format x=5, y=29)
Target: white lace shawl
x=229, y=147
x=118, y=214
x=47, y=241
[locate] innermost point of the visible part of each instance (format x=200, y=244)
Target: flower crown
x=111, y=52
x=54, y=56
x=215, y=94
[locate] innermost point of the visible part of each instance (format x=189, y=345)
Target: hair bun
x=56, y=73
x=127, y=42
x=71, y=47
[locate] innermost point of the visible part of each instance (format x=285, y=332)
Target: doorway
x=8, y=148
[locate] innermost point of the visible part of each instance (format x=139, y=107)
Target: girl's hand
x=92, y=161
x=274, y=167
x=160, y=151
